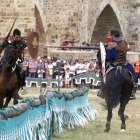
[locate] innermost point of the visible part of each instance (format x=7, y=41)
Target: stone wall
x=65, y=20
x=24, y=10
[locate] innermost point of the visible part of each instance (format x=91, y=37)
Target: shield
x=103, y=57
x=33, y=44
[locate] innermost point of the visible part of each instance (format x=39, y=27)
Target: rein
x=8, y=64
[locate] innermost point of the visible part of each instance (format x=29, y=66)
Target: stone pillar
x=134, y=28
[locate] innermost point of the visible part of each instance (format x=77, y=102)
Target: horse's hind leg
x=7, y=100
x=121, y=114
x=109, y=117
x=15, y=97
x=1, y=102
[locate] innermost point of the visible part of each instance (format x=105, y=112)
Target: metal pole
x=40, y=86
x=58, y=76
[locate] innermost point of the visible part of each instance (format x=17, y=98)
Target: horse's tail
x=115, y=90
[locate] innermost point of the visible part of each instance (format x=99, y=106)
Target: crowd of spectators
x=44, y=67
x=74, y=43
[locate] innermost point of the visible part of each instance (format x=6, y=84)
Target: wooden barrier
x=22, y=107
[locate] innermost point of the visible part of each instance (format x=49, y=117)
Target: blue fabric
x=39, y=120
x=112, y=53
x=129, y=65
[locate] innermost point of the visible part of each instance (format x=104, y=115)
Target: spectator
x=43, y=65
x=78, y=70
x=90, y=68
x=40, y=63
x=40, y=72
x=88, y=44
x=50, y=68
x=72, y=71
x=32, y=68
x=70, y=57
x=46, y=69
x=81, y=66
x=69, y=44
x=97, y=45
x=67, y=75
x=85, y=68
x=76, y=66
x=25, y=66
x=66, y=65
x=137, y=67
x=64, y=44
x=74, y=42
x=108, y=37
x=94, y=62
x=62, y=72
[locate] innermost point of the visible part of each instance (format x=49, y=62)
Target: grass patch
x=95, y=129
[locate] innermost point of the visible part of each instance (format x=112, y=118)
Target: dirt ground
x=95, y=129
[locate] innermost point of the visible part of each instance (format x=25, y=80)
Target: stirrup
x=100, y=94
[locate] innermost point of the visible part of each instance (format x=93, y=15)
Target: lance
x=6, y=38
x=75, y=47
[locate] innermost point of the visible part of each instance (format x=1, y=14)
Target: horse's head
x=10, y=56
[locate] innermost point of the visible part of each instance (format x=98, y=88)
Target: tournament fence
x=88, y=77
x=37, y=119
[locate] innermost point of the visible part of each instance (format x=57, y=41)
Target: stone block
x=2, y=13
x=22, y=25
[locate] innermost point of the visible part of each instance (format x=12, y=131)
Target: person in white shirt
x=67, y=75
x=80, y=67
x=40, y=72
x=72, y=71
x=67, y=65
x=94, y=62
x=85, y=69
x=77, y=71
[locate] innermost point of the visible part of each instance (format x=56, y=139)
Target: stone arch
x=101, y=7
x=106, y=21
x=39, y=7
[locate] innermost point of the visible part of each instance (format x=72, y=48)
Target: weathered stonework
x=64, y=20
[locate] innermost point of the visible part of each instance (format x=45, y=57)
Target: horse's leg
x=15, y=97
x=7, y=100
x=1, y=102
x=121, y=112
x=108, y=120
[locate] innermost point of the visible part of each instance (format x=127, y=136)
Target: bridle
x=7, y=62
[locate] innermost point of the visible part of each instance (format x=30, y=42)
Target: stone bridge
x=64, y=20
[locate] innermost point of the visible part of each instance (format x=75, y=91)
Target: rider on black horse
x=116, y=56
x=17, y=42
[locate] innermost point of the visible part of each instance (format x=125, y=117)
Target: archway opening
x=107, y=21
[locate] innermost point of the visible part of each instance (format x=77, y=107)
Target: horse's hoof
x=106, y=130
x=123, y=130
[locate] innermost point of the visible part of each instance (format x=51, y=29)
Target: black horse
x=117, y=89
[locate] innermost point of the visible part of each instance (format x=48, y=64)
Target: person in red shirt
x=108, y=36
x=64, y=44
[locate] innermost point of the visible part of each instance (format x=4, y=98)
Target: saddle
x=118, y=68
